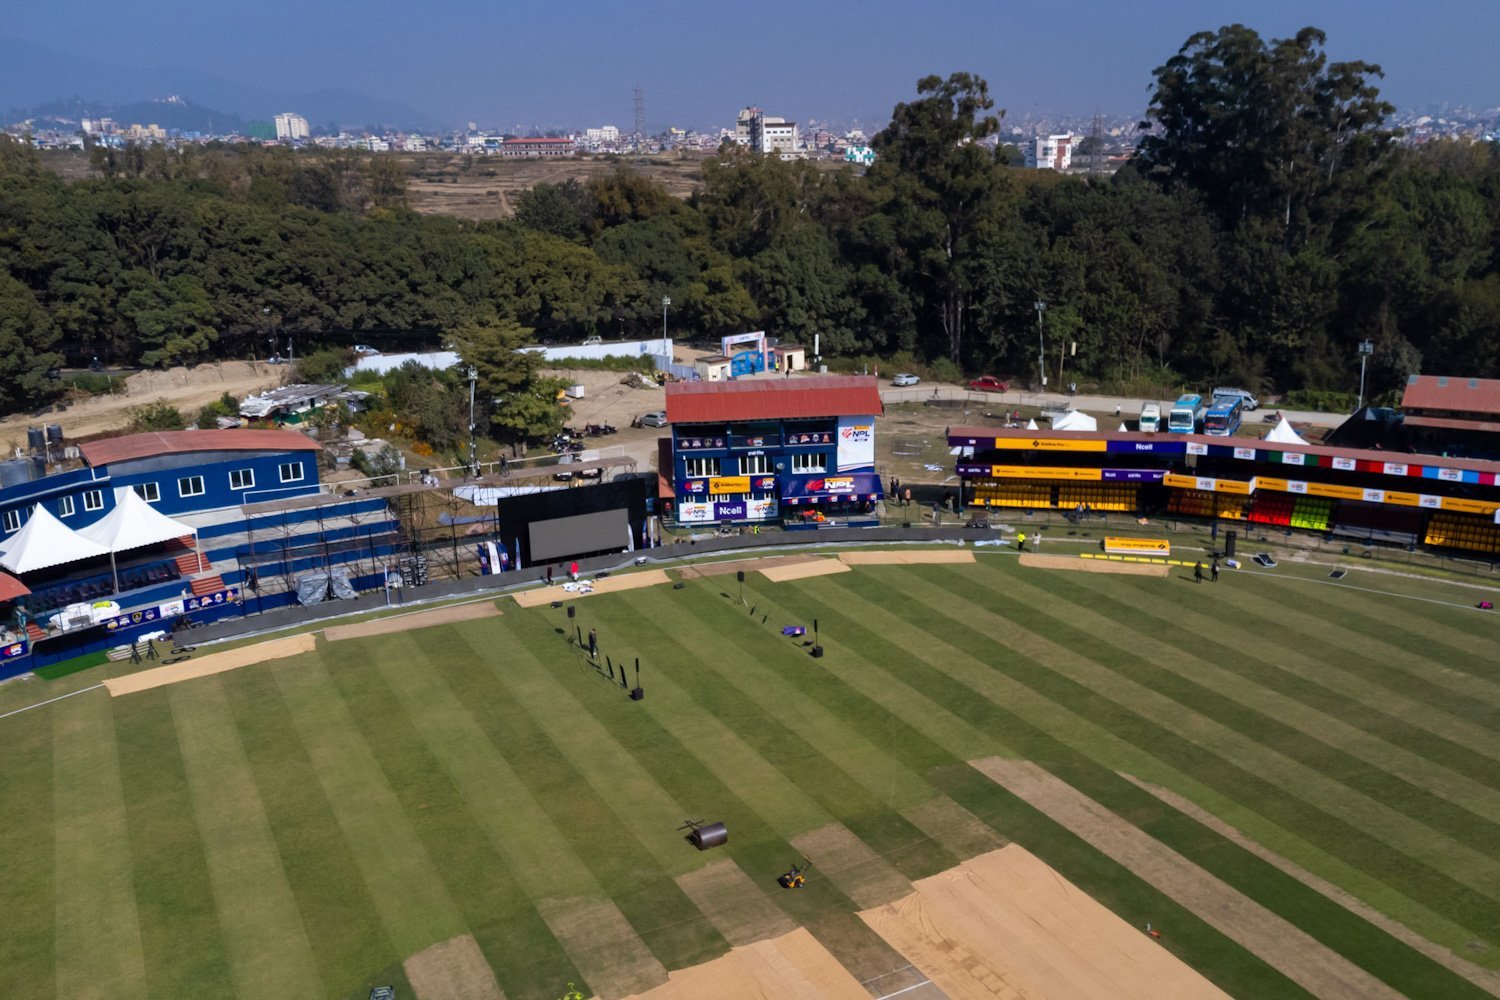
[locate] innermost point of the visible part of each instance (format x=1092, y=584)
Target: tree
x=521, y=403
x=942, y=182
x=27, y=336
x=555, y=209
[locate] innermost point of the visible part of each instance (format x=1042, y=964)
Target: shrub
x=158, y=416
x=225, y=406
x=1322, y=400
x=92, y=384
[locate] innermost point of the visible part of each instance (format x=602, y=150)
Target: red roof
x=11, y=588
x=123, y=449
x=540, y=138
x=773, y=398
x=1474, y=396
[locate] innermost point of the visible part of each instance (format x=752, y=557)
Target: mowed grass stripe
x=407, y=891
x=478, y=877
x=26, y=843
x=438, y=699
x=754, y=684
x=1357, y=845
x=180, y=933
x=347, y=936
x=1258, y=715
x=1226, y=639
x=656, y=907
x=97, y=944
x=263, y=934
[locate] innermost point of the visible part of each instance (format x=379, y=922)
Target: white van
x=1247, y=401
x=1150, y=418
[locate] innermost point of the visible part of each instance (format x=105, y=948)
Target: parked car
x=364, y=350
x=1247, y=399
x=988, y=383
x=656, y=418
x=905, y=378
x=591, y=341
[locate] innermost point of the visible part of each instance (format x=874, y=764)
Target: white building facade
x=291, y=126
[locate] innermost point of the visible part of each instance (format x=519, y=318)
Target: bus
x=1223, y=419
x=1186, y=414
x=1150, y=419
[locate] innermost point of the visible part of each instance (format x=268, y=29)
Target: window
x=697, y=468
x=811, y=462
x=149, y=492
x=93, y=500
x=190, y=486
x=65, y=507
x=241, y=479
x=291, y=472
x=12, y=520
x=755, y=465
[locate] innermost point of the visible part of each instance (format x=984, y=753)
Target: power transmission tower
x=640, y=119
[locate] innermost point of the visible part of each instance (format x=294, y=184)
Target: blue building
x=754, y=451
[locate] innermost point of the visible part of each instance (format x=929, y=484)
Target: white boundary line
x=925, y=982
x=50, y=701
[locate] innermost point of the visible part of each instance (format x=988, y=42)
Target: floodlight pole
x=666, y=300
x=1366, y=348
x=1041, y=348
x=473, y=445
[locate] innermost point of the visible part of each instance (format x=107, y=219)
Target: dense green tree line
x=1269, y=222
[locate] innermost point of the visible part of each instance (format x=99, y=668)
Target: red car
x=988, y=383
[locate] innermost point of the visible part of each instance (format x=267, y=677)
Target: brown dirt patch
x=845, y=860
x=954, y=827
x=1093, y=565
x=793, y=966
x=602, y=944
x=214, y=663
x=886, y=557
x=609, y=585
x=417, y=619
x=748, y=565
x=454, y=969
x=803, y=570
x=1277, y=942
x=734, y=904
x=1006, y=925
x=1485, y=979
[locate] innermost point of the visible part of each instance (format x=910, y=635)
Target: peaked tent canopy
x=1282, y=433
x=1074, y=420
x=45, y=541
x=1031, y=425
x=133, y=523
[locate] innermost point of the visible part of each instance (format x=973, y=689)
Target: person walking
x=594, y=643
x=1198, y=571
x=573, y=570
x=1213, y=571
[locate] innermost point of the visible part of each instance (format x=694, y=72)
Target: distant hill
x=181, y=115
x=33, y=77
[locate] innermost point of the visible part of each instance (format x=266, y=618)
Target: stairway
x=191, y=561
x=35, y=632
x=207, y=585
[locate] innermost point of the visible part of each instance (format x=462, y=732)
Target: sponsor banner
x=1295, y=486
x=859, y=484
x=856, y=443
x=689, y=513
x=1180, y=482
x=1403, y=499
x=1247, y=453
x=1446, y=475
x=730, y=510
x=1430, y=502
x=1235, y=486
x=693, y=486
x=1346, y=464
x=1374, y=496
x=170, y=610
x=1267, y=483
x=1053, y=444
x=699, y=443
x=765, y=484
x=1132, y=475
x=760, y=510
x=1195, y=448
x=1044, y=472
x=1138, y=546
x=975, y=470
x=1151, y=447
x=1293, y=458
x=1464, y=506
x=1395, y=468
x=729, y=484
x=13, y=650
x=810, y=437
x=1334, y=491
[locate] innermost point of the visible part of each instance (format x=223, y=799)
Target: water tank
x=15, y=472
x=34, y=439
x=54, y=434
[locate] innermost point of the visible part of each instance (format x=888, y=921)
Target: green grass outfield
x=297, y=829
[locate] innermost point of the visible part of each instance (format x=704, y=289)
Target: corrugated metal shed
x=773, y=398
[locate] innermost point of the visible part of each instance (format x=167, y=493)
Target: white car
x=365, y=350
x=905, y=378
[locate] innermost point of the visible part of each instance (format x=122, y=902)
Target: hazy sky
x=575, y=62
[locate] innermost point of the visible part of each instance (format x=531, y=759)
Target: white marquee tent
x=132, y=524
x=45, y=541
x=1283, y=433
x=1075, y=420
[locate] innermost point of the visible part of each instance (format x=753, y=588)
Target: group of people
x=1213, y=571
x=572, y=572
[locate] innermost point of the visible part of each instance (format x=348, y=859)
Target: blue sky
x=574, y=62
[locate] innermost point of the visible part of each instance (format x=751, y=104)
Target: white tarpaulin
x=133, y=523
x=1074, y=420
x=45, y=541
x=1282, y=433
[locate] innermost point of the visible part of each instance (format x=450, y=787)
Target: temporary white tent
x=1075, y=420
x=1282, y=433
x=1123, y=427
x=132, y=524
x=45, y=541
x=1031, y=425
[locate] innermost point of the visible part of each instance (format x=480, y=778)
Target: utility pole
x=666, y=300
x=1366, y=348
x=473, y=444
x=1041, y=348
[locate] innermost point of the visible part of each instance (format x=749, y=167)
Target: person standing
x=1036, y=541
x=906, y=498
x=1198, y=571
x=1213, y=571
x=573, y=570
x=594, y=643
x=549, y=576
x=1021, y=541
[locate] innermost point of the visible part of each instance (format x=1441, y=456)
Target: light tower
x=640, y=119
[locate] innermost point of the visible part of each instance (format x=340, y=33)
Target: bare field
x=485, y=187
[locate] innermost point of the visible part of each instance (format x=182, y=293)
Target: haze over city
x=564, y=65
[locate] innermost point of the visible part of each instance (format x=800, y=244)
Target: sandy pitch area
x=803, y=570
x=609, y=585
x=214, y=663
x=1006, y=925
x=454, y=969
x=748, y=565
x=791, y=967
x=1092, y=565
x=889, y=557
x=1286, y=948
x=407, y=622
